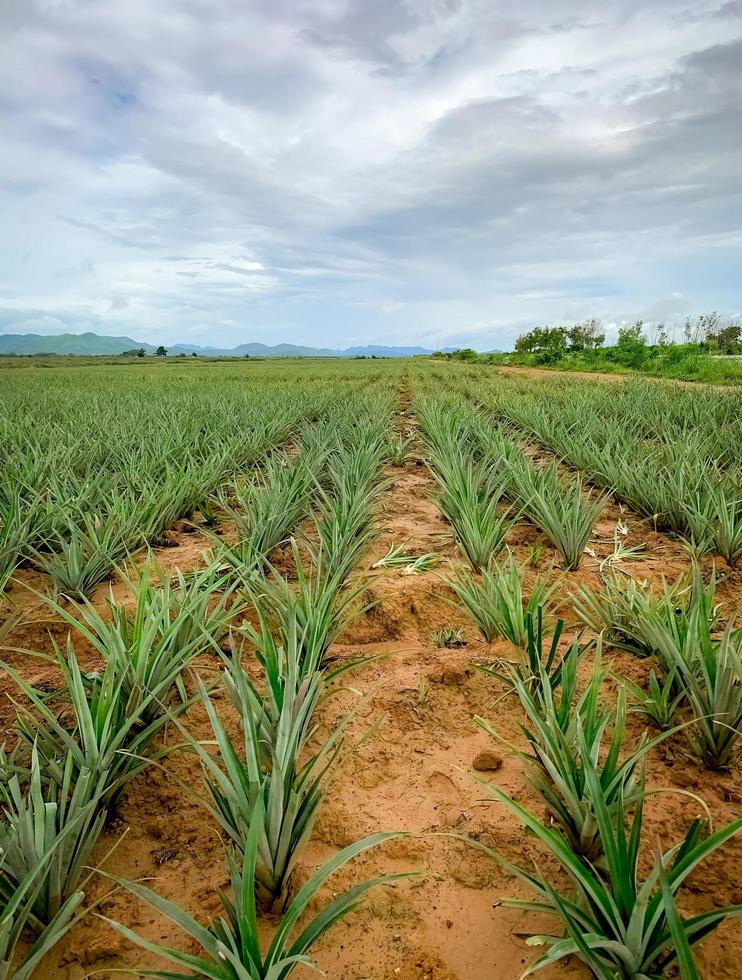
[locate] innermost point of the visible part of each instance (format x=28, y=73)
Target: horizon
x=650, y=332
x=434, y=173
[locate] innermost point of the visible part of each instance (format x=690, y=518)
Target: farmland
x=369, y=649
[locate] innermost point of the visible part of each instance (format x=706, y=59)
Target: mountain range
x=92, y=344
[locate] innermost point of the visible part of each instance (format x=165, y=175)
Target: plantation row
x=93, y=471
x=65, y=781
x=672, y=454
x=618, y=919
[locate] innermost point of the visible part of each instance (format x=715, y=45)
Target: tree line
x=707, y=333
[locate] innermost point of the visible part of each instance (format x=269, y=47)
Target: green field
x=227, y=592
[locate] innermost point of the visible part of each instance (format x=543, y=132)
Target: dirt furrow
x=415, y=746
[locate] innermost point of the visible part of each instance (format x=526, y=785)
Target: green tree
x=549, y=344
x=465, y=354
x=585, y=336
x=161, y=351
x=725, y=339
x=631, y=348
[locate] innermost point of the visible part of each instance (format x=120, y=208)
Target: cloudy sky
x=348, y=171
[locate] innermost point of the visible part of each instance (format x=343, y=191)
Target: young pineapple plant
x=565, y=513
x=269, y=767
x=17, y=919
x=345, y=529
x=264, y=513
x=317, y=602
x=725, y=522
x=83, y=556
x=15, y=529
x=70, y=813
x=667, y=630
x=542, y=661
x=631, y=617
x=620, y=605
x=230, y=946
x=110, y=734
x=496, y=601
x=398, y=450
x=714, y=518
x=566, y=738
x=152, y=645
x=471, y=501
x=345, y=509
x=470, y=489
x=709, y=673
x=618, y=923
x=660, y=702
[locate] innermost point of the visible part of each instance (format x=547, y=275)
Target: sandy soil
x=411, y=747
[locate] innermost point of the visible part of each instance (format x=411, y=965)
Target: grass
x=681, y=362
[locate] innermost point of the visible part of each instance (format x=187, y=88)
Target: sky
x=340, y=172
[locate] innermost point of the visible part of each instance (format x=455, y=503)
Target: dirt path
x=411, y=773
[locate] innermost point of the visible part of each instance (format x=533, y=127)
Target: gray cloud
x=409, y=170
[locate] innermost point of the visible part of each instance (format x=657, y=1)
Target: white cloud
x=404, y=171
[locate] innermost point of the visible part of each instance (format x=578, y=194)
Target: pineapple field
x=389, y=668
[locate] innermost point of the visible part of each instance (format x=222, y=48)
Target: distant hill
x=67, y=343
x=91, y=344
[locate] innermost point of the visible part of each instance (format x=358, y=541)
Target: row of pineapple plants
x=670, y=453
x=618, y=921
x=92, y=473
x=479, y=466
x=69, y=771
x=578, y=763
